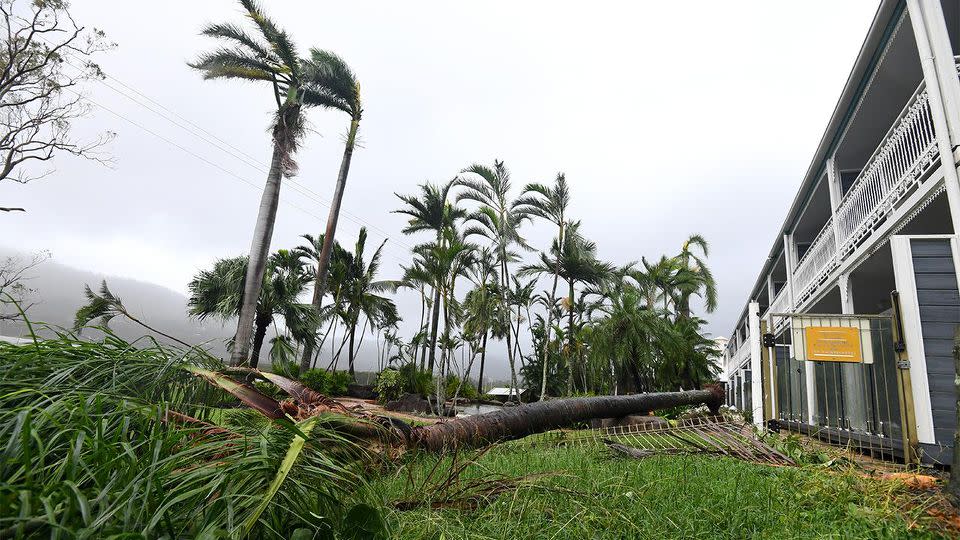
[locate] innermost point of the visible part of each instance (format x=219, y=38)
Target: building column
x=943, y=59
x=943, y=90
x=789, y=255
x=756, y=407
x=836, y=196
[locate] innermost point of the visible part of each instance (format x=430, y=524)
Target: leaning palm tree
x=268, y=56
x=335, y=87
x=498, y=219
x=549, y=203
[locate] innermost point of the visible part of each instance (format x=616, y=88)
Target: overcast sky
x=668, y=118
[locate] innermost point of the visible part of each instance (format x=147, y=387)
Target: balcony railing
x=738, y=357
x=780, y=304
x=896, y=167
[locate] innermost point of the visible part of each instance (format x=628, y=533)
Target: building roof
x=504, y=391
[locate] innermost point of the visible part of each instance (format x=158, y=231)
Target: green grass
x=596, y=495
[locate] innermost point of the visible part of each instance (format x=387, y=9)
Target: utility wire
x=224, y=146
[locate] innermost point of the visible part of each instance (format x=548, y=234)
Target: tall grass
x=88, y=450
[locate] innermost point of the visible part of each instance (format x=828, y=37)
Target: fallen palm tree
x=524, y=420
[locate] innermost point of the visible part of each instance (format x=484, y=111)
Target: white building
x=877, y=211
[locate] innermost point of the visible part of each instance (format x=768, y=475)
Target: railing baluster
x=887, y=176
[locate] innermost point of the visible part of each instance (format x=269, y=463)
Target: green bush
x=468, y=391
x=339, y=380
x=331, y=383
x=389, y=385
x=317, y=380
x=416, y=381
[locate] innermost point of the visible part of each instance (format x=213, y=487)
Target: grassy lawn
x=587, y=493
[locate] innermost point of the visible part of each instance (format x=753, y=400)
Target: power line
x=224, y=146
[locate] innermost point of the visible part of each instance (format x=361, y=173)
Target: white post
x=753, y=316
x=937, y=108
x=833, y=182
x=836, y=195
x=789, y=254
x=943, y=59
x=906, y=284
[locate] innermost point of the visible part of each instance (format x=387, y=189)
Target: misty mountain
x=58, y=293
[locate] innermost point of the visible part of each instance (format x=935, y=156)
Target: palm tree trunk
x=261, y=323
x=503, y=302
x=553, y=300
x=323, y=265
x=259, y=252
x=570, y=339
x=483, y=358
x=353, y=332
x=517, y=422
x=434, y=326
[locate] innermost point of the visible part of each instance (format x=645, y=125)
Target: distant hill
x=59, y=293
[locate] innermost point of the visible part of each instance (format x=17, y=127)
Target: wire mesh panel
x=835, y=378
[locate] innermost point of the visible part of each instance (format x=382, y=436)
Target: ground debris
x=701, y=436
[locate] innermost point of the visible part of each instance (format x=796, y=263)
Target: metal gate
x=843, y=379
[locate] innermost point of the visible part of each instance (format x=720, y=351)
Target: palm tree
x=336, y=87
x=445, y=261
x=337, y=274
x=361, y=296
x=550, y=204
x=479, y=304
x=631, y=336
x=218, y=292
x=418, y=278
x=578, y=263
x=431, y=212
x=499, y=220
x=698, y=279
x=269, y=56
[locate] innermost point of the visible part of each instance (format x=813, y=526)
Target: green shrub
x=339, y=380
x=468, y=391
x=317, y=380
x=389, y=385
x=416, y=381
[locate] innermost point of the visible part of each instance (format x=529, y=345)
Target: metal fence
x=836, y=378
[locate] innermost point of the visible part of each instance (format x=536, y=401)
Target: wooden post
x=768, y=374
x=954, y=486
x=908, y=422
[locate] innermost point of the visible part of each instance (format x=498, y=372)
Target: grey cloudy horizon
x=666, y=121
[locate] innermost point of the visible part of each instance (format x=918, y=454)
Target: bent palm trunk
x=523, y=420
x=323, y=265
x=259, y=252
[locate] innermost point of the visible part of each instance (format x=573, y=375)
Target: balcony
x=906, y=154
x=738, y=357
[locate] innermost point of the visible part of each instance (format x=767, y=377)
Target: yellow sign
x=833, y=344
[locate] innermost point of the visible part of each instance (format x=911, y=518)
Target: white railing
x=896, y=167
x=739, y=356
x=819, y=259
x=905, y=154
x=780, y=304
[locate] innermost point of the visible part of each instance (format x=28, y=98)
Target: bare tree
x=45, y=57
x=14, y=286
